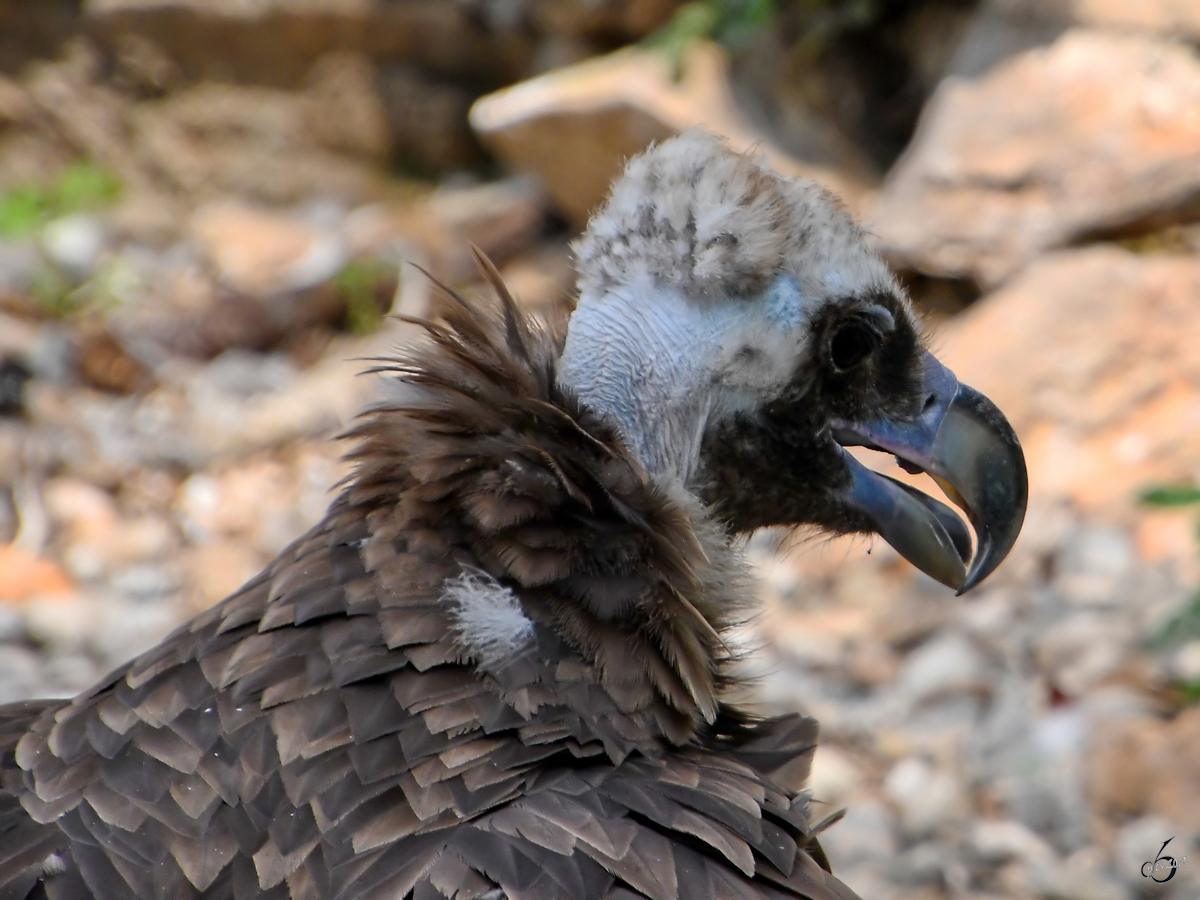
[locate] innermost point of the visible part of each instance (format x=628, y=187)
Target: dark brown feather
x=326, y=732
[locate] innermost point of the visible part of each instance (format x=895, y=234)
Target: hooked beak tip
x=972, y=452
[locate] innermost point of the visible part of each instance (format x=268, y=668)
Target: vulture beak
x=967, y=446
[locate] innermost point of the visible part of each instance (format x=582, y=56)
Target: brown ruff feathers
x=323, y=733
x=539, y=494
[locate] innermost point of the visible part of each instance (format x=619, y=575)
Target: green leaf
x=691, y=22
x=1189, y=692
x=21, y=209
x=358, y=282
x=1174, y=495
x=81, y=185
x=84, y=185
x=740, y=19
x=1181, y=626
x=53, y=292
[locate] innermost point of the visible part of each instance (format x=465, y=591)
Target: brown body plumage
x=321, y=733
x=495, y=669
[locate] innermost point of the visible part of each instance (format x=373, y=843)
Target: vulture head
x=736, y=330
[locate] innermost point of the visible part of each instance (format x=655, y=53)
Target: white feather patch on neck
x=53, y=865
x=487, y=616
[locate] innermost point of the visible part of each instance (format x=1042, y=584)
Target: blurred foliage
x=734, y=22
x=367, y=285
x=1185, y=624
x=82, y=185
x=1189, y=692
x=1174, y=495
x=728, y=21
x=24, y=209
x=55, y=293
x=1172, y=239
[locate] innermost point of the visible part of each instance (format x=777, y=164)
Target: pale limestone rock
x=833, y=774
x=436, y=231
x=576, y=126
x=948, y=664
x=1091, y=354
x=927, y=796
x=260, y=252
x=1080, y=651
x=1106, y=133
x=1178, y=18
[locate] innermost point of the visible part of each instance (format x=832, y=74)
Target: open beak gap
x=971, y=451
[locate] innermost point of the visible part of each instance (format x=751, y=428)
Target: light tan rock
x=1080, y=651
x=214, y=571
x=1092, y=356
x=24, y=576
x=342, y=110
x=576, y=126
x=926, y=796
x=259, y=252
x=436, y=231
x=541, y=278
x=1096, y=131
x=80, y=508
x=327, y=137
x=91, y=116
x=818, y=638
x=94, y=537
x=1177, y=796
x=833, y=774
x=264, y=502
x=1140, y=764
x=1179, y=18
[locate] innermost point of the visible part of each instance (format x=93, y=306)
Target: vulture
x=500, y=666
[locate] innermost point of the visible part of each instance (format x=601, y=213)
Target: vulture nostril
x=930, y=402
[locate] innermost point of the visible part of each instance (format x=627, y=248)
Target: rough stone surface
x=259, y=252
x=575, y=127
x=1107, y=133
x=1105, y=396
x=1176, y=18
x=436, y=231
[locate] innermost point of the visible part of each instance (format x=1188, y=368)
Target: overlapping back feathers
x=328, y=732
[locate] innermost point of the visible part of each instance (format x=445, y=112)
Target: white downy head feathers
x=697, y=280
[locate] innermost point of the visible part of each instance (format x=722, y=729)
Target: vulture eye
x=850, y=345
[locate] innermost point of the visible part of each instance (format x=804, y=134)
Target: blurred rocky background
x=208, y=207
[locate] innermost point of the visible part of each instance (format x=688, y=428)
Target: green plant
x=360, y=281
x=1185, y=624
x=82, y=185
x=20, y=211
x=53, y=292
x=729, y=21
x=734, y=22
x=1175, y=495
